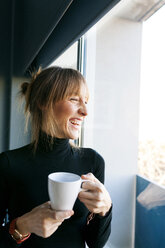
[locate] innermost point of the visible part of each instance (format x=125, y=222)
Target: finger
x=92, y=204
x=56, y=224
x=97, y=196
x=91, y=177
x=49, y=230
x=93, y=186
x=44, y=205
x=54, y=227
x=61, y=215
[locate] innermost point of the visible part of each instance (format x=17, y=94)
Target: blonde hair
x=47, y=87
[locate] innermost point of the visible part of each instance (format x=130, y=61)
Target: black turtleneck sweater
x=23, y=186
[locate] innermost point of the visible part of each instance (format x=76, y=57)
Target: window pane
x=68, y=58
x=152, y=100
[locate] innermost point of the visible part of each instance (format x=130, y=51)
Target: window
x=68, y=58
x=151, y=162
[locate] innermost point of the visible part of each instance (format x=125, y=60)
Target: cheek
x=63, y=111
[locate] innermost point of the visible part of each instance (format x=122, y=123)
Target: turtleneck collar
x=53, y=146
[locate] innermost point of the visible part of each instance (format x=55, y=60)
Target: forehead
x=82, y=92
x=80, y=89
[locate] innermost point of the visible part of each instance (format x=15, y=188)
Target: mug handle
x=83, y=180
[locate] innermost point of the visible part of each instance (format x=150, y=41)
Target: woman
x=56, y=100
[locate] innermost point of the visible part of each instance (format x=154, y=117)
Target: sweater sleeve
x=99, y=228
x=6, y=241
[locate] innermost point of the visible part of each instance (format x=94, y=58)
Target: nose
x=83, y=110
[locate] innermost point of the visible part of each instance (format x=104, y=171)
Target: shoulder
x=11, y=162
x=92, y=161
x=98, y=163
x=92, y=154
x=7, y=156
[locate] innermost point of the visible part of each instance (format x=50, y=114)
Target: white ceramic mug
x=63, y=189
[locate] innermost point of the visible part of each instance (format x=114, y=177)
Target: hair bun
x=24, y=87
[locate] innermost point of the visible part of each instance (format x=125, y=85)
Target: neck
x=52, y=145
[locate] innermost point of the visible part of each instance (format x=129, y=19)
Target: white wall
x=112, y=129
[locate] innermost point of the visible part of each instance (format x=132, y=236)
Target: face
x=70, y=113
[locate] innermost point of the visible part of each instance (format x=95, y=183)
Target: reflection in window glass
x=152, y=100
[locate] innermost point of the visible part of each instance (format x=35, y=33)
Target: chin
x=73, y=136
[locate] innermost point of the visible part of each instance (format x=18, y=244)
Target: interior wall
x=12, y=119
x=113, y=128
x=18, y=136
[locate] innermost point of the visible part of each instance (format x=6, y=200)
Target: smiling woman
x=56, y=104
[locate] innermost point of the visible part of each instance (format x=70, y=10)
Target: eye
x=74, y=99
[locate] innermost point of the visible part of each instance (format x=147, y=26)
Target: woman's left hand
x=96, y=198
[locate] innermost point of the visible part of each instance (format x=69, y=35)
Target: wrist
x=16, y=235
x=21, y=225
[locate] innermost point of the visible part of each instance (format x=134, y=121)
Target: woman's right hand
x=42, y=220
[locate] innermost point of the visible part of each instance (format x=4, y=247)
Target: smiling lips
x=76, y=122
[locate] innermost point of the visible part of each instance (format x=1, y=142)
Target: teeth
x=75, y=123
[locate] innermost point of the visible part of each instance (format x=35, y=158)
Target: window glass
x=151, y=162
x=68, y=58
